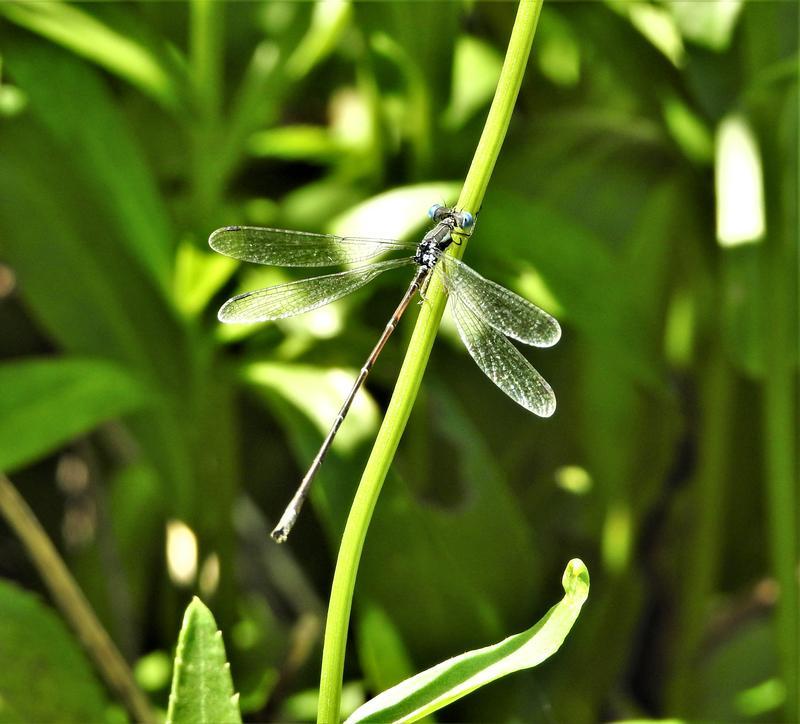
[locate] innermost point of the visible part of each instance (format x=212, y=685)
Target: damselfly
x=484, y=312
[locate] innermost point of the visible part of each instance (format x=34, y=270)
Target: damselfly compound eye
x=467, y=220
x=433, y=210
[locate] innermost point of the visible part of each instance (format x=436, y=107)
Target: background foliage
x=130, y=131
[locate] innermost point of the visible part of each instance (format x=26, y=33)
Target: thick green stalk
x=410, y=376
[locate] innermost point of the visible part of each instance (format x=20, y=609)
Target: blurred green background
x=646, y=195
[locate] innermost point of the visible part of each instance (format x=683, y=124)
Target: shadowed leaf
x=49, y=678
x=46, y=403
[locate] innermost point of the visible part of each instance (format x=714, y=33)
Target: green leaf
x=707, y=24
x=120, y=182
x=46, y=403
x=476, y=68
x=78, y=279
x=394, y=214
x=198, y=276
x=110, y=37
x=328, y=22
x=202, y=690
x=444, y=683
x=314, y=144
x=317, y=393
x=381, y=652
x=88, y=293
x=45, y=676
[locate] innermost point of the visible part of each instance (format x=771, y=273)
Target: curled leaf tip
x=576, y=580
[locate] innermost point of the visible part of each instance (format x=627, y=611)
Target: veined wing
x=502, y=363
x=303, y=295
x=499, y=307
x=281, y=247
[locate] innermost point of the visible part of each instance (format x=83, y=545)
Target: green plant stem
x=413, y=367
x=702, y=545
x=71, y=601
x=205, y=53
x=780, y=436
x=206, y=19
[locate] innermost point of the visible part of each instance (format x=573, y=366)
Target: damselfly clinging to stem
x=484, y=312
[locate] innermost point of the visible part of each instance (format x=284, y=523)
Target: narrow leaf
x=444, y=683
x=46, y=403
x=202, y=690
x=112, y=38
x=77, y=277
x=120, y=182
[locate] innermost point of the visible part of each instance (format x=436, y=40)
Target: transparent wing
x=279, y=247
x=501, y=361
x=287, y=300
x=499, y=307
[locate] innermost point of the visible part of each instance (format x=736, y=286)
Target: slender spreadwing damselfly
x=484, y=312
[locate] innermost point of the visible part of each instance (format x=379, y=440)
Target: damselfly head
x=463, y=219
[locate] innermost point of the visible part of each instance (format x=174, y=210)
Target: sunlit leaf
x=327, y=23
x=318, y=393
x=397, y=213
x=476, y=68
x=739, y=184
x=441, y=685
x=202, y=690
x=198, y=275
x=708, y=23
x=297, y=143
x=108, y=39
x=557, y=50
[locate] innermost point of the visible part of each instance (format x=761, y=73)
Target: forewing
x=280, y=247
x=292, y=298
x=502, y=363
x=499, y=307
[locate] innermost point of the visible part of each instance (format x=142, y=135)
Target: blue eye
x=467, y=220
x=433, y=210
